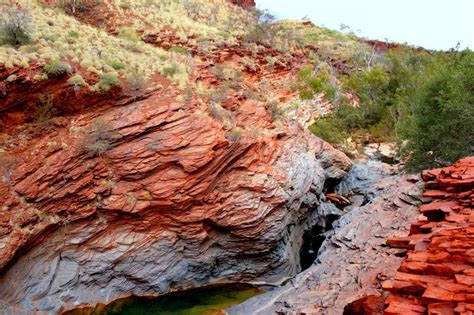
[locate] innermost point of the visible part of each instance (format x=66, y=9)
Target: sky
x=432, y=24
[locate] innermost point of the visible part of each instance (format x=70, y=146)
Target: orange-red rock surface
x=244, y=3
x=437, y=276
x=175, y=202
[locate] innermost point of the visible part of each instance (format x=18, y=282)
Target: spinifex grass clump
x=57, y=68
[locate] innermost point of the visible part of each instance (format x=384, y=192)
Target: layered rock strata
x=173, y=203
x=437, y=275
x=353, y=261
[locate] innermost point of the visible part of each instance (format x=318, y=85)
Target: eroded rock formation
x=172, y=204
x=353, y=261
x=437, y=276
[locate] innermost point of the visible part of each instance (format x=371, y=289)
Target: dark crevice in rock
x=312, y=241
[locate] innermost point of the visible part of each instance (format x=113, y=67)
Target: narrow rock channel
x=342, y=255
x=353, y=258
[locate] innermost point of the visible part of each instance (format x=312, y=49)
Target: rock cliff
x=175, y=202
x=353, y=261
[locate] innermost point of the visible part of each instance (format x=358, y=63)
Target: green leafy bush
x=56, y=68
x=441, y=128
x=15, y=26
x=108, y=80
x=311, y=83
x=330, y=129
x=170, y=70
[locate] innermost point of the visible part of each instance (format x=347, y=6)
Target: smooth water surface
x=202, y=301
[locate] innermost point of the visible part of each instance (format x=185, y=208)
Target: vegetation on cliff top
x=422, y=100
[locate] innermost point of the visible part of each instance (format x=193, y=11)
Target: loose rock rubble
x=437, y=275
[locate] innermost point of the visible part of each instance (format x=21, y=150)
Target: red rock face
x=174, y=203
x=437, y=276
x=244, y=3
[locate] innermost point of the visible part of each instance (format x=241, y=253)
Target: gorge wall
x=172, y=204
x=354, y=260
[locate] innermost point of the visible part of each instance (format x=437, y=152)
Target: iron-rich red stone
x=437, y=276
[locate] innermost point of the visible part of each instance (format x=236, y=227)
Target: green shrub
x=441, y=129
x=77, y=81
x=330, y=129
x=74, y=34
x=311, y=83
x=56, y=68
x=15, y=27
x=108, y=80
x=50, y=38
x=44, y=110
x=136, y=83
x=179, y=50
x=170, y=70
x=124, y=5
x=129, y=34
x=117, y=65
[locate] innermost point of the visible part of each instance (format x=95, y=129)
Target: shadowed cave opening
x=313, y=240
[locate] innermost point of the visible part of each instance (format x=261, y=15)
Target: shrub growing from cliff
x=261, y=29
x=98, y=139
x=44, y=110
x=136, y=84
x=312, y=82
x=108, y=80
x=15, y=27
x=73, y=6
x=170, y=70
x=56, y=68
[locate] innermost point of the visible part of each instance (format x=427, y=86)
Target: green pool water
x=203, y=301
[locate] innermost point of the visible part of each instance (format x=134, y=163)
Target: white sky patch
x=433, y=24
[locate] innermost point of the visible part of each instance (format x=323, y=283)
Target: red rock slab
x=467, y=280
x=441, y=308
x=437, y=272
x=438, y=194
x=397, y=308
x=445, y=206
x=424, y=268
